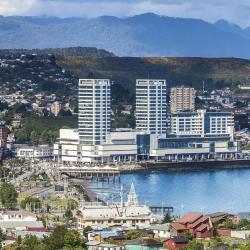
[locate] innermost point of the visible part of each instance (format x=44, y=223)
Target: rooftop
x=189, y=218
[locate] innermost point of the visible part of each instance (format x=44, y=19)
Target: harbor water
x=207, y=191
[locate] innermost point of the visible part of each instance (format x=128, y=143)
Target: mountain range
x=142, y=35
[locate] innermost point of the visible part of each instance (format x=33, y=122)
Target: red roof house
x=196, y=224
x=176, y=242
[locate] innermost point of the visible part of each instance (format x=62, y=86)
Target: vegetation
x=194, y=245
x=60, y=238
x=31, y=202
x=243, y=225
x=134, y=234
x=247, y=147
x=167, y=219
x=2, y=236
x=38, y=129
x=8, y=195
x=71, y=51
x=217, y=73
x=188, y=235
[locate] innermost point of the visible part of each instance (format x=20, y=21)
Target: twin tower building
x=194, y=134
x=95, y=109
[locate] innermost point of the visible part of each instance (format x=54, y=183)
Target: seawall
x=188, y=166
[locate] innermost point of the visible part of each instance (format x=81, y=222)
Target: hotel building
x=198, y=135
x=151, y=106
x=203, y=124
x=182, y=99
x=94, y=111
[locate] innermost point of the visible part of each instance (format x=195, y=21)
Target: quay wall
x=188, y=166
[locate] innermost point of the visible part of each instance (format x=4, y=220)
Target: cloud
x=211, y=10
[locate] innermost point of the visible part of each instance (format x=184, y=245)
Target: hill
x=216, y=72
x=131, y=36
x=71, y=51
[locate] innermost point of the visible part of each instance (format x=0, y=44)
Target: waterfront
x=207, y=191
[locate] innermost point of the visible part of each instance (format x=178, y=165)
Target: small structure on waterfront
x=123, y=213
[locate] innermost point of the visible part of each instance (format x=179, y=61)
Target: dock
x=106, y=173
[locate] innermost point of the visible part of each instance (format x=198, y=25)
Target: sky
x=234, y=11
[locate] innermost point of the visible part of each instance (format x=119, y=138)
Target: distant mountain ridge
x=70, y=51
x=141, y=35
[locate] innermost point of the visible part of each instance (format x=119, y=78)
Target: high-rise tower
x=151, y=106
x=94, y=111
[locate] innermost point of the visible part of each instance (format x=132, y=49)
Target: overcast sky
x=236, y=11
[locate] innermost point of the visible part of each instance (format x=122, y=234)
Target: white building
x=120, y=146
x=18, y=220
x=17, y=216
x=182, y=99
x=67, y=147
x=94, y=111
x=55, y=108
x=203, y=124
x=151, y=106
x=123, y=213
x=34, y=152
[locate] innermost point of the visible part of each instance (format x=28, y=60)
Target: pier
x=107, y=173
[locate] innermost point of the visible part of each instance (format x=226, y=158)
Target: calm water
x=210, y=191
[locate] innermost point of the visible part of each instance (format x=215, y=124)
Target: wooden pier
x=108, y=174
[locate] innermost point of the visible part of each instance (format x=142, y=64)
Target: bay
x=206, y=192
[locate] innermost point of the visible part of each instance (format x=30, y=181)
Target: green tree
x=30, y=201
x=188, y=235
x=22, y=135
x=44, y=137
x=134, y=234
x=2, y=236
x=8, y=195
x=167, y=219
x=87, y=229
x=245, y=247
x=72, y=239
x=30, y=242
x=56, y=239
x=229, y=224
x=68, y=215
x=34, y=138
x=194, y=245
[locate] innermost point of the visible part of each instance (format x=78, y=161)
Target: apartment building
x=151, y=106
x=182, y=99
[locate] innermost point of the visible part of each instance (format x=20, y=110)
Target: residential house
x=220, y=217
x=176, y=242
x=194, y=223
x=161, y=230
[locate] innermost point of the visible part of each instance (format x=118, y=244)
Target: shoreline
x=188, y=166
